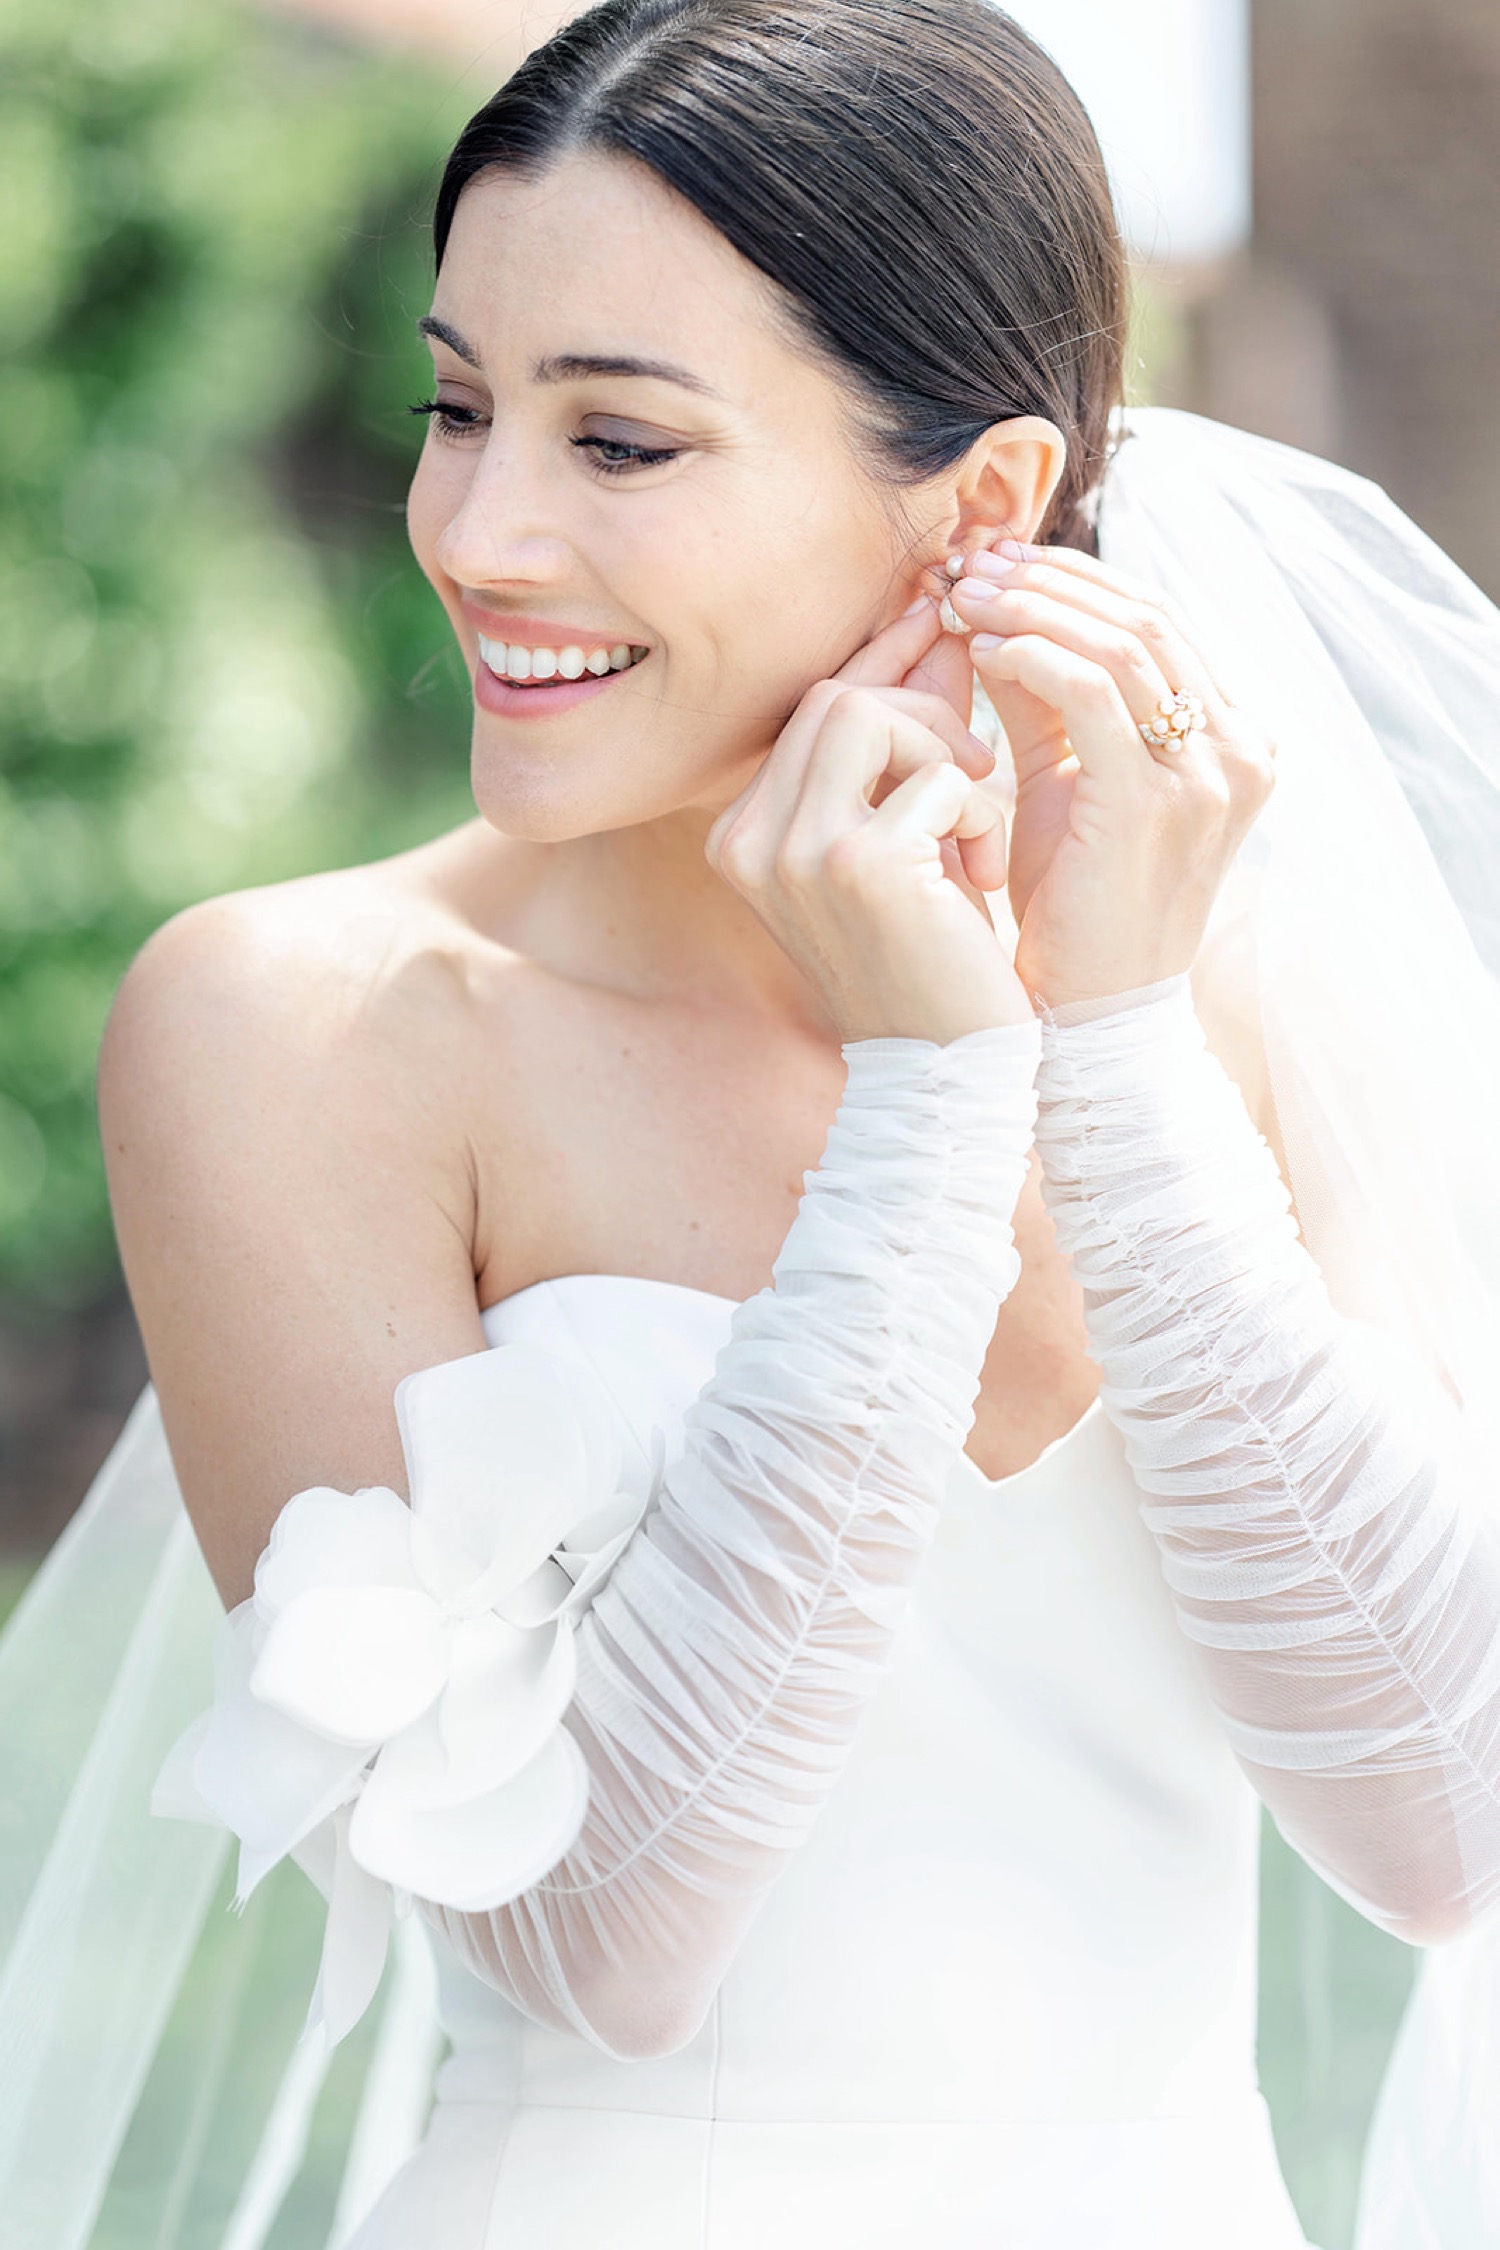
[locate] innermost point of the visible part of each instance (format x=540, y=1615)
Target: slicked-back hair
x=916, y=179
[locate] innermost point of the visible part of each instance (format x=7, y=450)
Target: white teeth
x=512, y=662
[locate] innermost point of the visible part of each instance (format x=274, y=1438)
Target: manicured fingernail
x=977, y=590
x=994, y=566
x=923, y=601
x=1017, y=549
x=988, y=640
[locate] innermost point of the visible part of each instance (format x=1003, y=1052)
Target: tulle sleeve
x=1324, y=1526
x=582, y=1726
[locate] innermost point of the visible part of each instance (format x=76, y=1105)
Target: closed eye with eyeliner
x=456, y=422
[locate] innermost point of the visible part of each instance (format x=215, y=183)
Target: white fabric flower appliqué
x=388, y=1702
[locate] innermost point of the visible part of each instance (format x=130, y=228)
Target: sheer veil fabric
x=1372, y=919
x=1376, y=935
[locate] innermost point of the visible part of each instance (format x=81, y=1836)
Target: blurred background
x=219, y=665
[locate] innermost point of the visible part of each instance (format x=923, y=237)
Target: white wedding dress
x=1005, y=1992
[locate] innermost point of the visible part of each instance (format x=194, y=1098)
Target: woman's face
x=749, y=562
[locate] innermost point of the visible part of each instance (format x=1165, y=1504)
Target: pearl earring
x=948, y=616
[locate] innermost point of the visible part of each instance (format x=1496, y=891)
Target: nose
x=503, y=527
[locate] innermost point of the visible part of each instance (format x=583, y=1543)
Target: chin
x=536, y=814
x=533, y=799
x=542, y=793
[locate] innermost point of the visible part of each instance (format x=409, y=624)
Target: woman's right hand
x=864, y=842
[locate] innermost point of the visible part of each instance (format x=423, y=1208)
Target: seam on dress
x=489, y=2242
x=705, y=2213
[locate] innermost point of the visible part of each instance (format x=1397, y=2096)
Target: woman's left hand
x=1117, y=851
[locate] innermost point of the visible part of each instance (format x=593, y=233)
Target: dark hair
x=916, y=177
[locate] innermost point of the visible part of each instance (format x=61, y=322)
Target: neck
x=683, y=930
x=639, y=908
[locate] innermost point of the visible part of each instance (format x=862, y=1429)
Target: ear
x=1005, y=486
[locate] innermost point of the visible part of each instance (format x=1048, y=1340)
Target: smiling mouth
x=549, y=667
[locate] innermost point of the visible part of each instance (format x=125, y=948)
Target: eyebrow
x=566, y=367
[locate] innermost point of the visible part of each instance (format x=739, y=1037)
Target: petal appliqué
x=356, y=1938
x=506, y=1693
x=265, y=1777
x=328, y=1538
x=354, y=1664
x=483, y=1853
x=505, y=1449
x=389, y=1703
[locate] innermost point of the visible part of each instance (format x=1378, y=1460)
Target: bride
x=811, y=1356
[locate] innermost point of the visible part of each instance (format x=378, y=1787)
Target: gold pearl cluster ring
x=1174, y=719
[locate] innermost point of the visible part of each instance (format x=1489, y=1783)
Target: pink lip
x=492, y=693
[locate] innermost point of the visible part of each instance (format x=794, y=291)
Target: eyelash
x=450, y=425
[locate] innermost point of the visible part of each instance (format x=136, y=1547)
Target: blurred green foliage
x=218, y=663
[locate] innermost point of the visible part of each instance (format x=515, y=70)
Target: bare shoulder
x=282, y=1106
x=328, y=976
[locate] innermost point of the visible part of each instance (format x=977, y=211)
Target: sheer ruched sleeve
x=1327, y=1535
x=581, y=1726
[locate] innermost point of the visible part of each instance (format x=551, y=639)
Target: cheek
x=814, y=577
x=432, y=500
x=781, y=610
x=811, y=627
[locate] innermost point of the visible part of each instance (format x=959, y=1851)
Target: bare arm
x=291, y=1201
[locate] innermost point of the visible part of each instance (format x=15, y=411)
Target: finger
x=882, y=663
x=1099, y=727
x=1131, y=664
x=960, y=867
x=935, y=711
x=866, y=736
x=933, y=714
x=770, y=796
x=935, y=802
x=1120, y=599
x=887, y=656
x=776, y=786
x=1074, y=564
x=945, y=670
x=985, y=858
